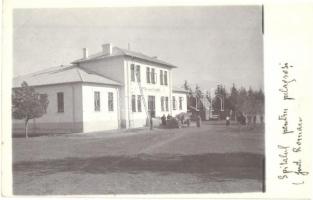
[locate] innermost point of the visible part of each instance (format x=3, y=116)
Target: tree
x=198, y=93
x=242, y=100
x=220, y=95
x=250, y=102
x=27, y=104
x=208, y=96
x=259, y=96
x=198, y=97
x=233, y=100
x=189, y=94
x=186, y=86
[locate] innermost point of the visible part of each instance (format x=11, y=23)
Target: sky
x=210, y=45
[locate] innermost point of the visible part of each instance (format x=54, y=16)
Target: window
x=132, y=70
x=180, y=103
x=161, y=77
x=139, y=103
x=97, y=101
x=166, y=103
x=138, y=73
x=152, y=76
x=174, y=103
x=43, y=98
x=151, y=105
x=134, y=103
x=162, y=103
x=60, y=96
x=148, y=74
x=110, y=101
x=165, y=77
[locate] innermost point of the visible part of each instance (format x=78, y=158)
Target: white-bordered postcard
x=156, y=100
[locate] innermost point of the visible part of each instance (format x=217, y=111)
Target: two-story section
x=150, y=90
x=146, y=90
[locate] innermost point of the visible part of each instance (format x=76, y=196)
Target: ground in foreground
x=212, y=158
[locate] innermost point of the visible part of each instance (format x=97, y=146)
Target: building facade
x=115, y=88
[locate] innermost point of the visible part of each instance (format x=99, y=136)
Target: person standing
x=151, y=123
x=163, y=118
x=227, y=121
x=249, y=120
x=198, y=120
x=169, y=117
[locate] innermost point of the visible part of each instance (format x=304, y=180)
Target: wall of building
x=53, y=121
x=177, y=95
x=112, y=68
x=139, y=119
x=119, y=69
x=103, y=119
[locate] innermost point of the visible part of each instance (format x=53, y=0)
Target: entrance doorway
x=151, y=105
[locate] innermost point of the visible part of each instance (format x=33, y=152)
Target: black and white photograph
x=156, y=100
x=138, y=100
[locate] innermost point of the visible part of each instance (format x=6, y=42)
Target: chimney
x=107, y=49
x=85, y=53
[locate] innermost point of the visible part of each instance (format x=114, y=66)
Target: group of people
x=180, y=119
x=164, y=118
x=248, y=119
x=242, y=119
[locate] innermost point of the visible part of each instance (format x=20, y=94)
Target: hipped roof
x=116, y=51
x=61, y=75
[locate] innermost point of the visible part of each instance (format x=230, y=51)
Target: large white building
x=113, y=89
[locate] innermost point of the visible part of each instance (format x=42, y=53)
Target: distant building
x=113, y=89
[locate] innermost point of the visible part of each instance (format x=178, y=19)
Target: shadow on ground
x=229, y=166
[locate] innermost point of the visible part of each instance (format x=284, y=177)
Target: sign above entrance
x=151, y=89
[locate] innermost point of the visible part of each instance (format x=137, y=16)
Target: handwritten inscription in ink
x=290, y=153
x=286, y=81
